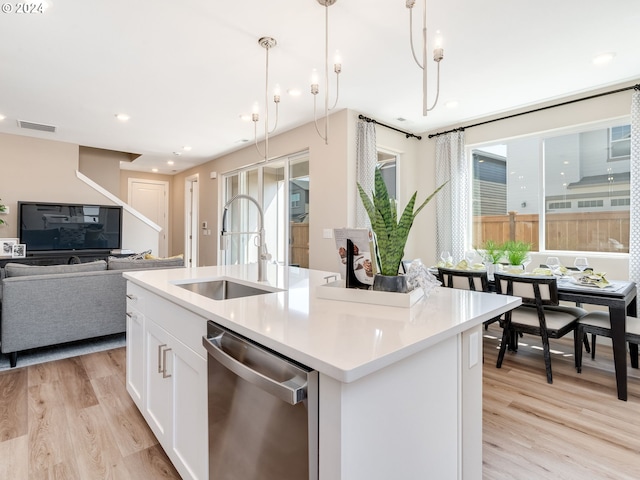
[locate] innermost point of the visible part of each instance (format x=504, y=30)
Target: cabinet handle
x=160, y=347
x=131, y=296
x=129, y=314
x=164, y=363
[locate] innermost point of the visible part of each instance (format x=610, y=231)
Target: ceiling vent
x=37, y=126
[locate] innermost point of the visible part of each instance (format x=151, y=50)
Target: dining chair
x=476, y=280
x=599, y=323
x=540, y=314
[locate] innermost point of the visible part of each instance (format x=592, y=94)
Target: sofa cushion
x=20, y=270
x=139, y=264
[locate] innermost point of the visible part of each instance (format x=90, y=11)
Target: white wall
x=40, y=170
x=330, y=205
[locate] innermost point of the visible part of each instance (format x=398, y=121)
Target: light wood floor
x=73, y=419
x=575, y=428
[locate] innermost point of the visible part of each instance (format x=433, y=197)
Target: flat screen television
x=50, y=227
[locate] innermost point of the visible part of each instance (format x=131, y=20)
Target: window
x=286, y=222
x=590, y=203
x=558, y=205
x=387, y=163
x=295, y=200
x=620, y=202
x=620, y=142
x=558, y=191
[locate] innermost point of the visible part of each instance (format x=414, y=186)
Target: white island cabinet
x=400, y=389
x=167, y=377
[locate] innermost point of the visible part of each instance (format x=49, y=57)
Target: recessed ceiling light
x=2, y=117
x=154, y=170
x=294, y=92
x=604, y=58
x=170, y=162
x=451, y=104
x=177, y=154
x=123, y=117
x=186, y=148
x=245, y=117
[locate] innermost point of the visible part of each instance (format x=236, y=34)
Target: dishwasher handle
x=288, y=391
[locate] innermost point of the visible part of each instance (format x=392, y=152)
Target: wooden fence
x=299, y=253
x=590, y=231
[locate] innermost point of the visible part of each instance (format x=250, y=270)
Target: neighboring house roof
x=605, y=179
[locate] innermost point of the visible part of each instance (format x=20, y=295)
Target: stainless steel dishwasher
x=263, y=411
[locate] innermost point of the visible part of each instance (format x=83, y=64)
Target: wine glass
x=470, y=256
x=553, y=263
x=581, y=263
x=446, y=257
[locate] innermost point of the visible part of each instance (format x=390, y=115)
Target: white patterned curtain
x=634, y=227
x=452, y=202
x=366, y=161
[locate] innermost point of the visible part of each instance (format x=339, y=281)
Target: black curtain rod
x=371, y=120
x=461, y=129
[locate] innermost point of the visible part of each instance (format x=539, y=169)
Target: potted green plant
x=516, y=252
x=491, y=252
x=390, y=232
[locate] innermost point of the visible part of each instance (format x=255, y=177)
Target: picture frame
x=6, y=246
x=19, y=250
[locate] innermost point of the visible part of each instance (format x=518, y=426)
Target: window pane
x=387, y=166
x=586, y=191
x=505, y=192
x=299, y=212
x=593, y=191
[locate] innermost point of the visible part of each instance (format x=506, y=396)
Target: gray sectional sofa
x=49, y=305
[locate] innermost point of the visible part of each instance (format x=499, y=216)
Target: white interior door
x=150, y=197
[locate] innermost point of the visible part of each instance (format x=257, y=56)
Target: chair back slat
x=475, y=280
x=534, y=290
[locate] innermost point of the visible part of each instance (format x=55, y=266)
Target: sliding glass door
x=281, y=187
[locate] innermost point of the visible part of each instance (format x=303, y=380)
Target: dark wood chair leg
x=506, y=336
x=547, y=355
x=585, y=340
x=579, y=335
x=13, y=359
x=593, y=346
x=633, y=352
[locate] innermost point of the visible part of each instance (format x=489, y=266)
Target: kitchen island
x=400, y=389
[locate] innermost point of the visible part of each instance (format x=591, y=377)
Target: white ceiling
x=186, y=70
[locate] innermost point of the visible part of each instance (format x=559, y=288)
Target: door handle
x=164, y=363
x=160, y=347
x=290, y=391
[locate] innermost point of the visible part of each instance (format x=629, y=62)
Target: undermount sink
x=223, y=289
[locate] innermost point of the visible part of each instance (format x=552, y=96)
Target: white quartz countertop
x=344, y=340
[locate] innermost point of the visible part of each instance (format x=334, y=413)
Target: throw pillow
x=20, y=270
x=132, y=264
x=139, y=256
x=148, y=256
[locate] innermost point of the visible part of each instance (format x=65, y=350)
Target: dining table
x=620, y=298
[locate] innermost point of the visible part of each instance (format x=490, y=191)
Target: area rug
x=67, y=350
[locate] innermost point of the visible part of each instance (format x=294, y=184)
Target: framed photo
x=6, y=246
x=19, y=250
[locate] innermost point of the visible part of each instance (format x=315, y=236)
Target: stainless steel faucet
x=263, y=255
